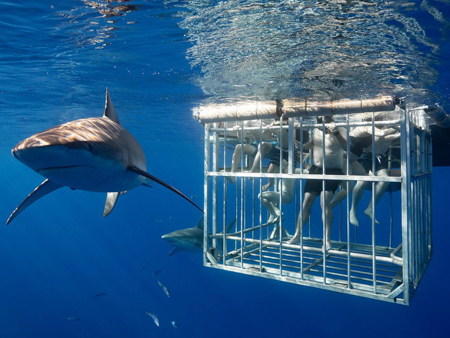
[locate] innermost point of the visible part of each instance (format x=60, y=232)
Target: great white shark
x=93, y=154
x=191, y=239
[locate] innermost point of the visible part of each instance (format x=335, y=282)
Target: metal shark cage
x=382, y=261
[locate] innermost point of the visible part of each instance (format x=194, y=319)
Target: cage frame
x=411, y=257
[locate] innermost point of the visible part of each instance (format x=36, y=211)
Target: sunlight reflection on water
x=320, y=49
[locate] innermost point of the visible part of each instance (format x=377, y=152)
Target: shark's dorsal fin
x=164, y=184
x=43, y=189
x=230, y=226
x=111, y=200
x=200, y=223
x=110, y=112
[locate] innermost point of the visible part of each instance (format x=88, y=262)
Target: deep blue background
x=54, y=67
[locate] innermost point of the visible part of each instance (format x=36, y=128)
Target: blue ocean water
x=160, y=59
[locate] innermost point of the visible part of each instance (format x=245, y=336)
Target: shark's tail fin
x=164, y=184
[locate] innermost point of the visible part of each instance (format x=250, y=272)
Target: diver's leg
x=308, y=202
x=356, y=197
x=269, y=199
x=380, y=188
x=328, y=221
x=263, y=149
x=247, y=149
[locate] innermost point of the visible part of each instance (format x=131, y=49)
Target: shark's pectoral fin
x=43, y=189
x=111, y=200
x=164, y=184
x=174, y=251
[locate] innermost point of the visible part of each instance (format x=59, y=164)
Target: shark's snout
x=169, y=238
x=173, y=240
x=22, y=154
x=18, y=149
x=14, y=153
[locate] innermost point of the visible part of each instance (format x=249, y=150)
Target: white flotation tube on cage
x=236, y=111
x=296, y=108
x=251, y=110
x=438, y=115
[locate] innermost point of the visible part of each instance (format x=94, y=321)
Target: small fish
x=174, y=324
x=155, y=319
x=166, y=291
x=143, y=267
x=157, y=220
x=101, y=294
x=157, y=272
x=74, y=319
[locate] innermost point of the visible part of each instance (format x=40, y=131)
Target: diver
x=360, y=138
x=252, y=149
x=383, y=140
x=270, y=199
x=333, y=149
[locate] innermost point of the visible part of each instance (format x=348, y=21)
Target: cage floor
x=308, y=264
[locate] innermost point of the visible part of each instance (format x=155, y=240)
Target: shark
x=94, y=154
x=190, y=239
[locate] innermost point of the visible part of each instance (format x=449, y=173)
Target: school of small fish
x=154, y=317
x=166, y=291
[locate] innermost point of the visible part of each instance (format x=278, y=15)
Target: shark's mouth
x=63, y=167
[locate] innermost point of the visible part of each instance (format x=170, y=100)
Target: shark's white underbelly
x=92, y=179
